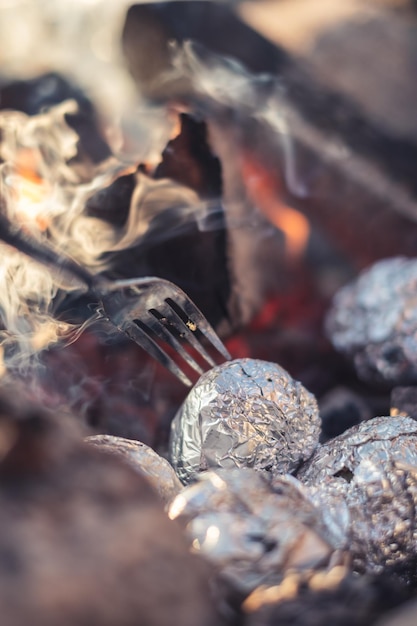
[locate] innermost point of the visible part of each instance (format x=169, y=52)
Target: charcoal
x=404, y=401
x=84, y=538
x=112, y=203
x=405, y=615
x=340, y=409
x=149, y=28
x=33, y=96
x=192, y=258
x=373, y=321
x=244, y=413
x=191, y=251
x=188, y=160
x=332, y=597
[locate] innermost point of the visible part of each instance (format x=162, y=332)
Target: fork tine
x=184, y=331
x=162, y=331
x=195, y=316
x=150, y=308
x=141, y=337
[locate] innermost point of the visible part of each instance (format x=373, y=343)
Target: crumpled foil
x=374, y=321
x=143, y=460
x=244, y=413
x=251, y=531
x=365, y=482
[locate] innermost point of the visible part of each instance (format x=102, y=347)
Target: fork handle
x=45, y=254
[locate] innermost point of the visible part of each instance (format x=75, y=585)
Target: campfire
x=182, y=142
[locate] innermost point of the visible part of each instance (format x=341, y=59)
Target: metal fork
x=147, y=310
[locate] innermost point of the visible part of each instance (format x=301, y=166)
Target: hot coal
x=404, y=402
x=365, y=481
x=84, y=538
x=316, y=598
x=251, y=532
x=189, y=160
x=244, y=413
x=144, y=460
x=374, y=322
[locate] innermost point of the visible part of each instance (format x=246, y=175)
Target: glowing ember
x=262, y=187
x=30, y=190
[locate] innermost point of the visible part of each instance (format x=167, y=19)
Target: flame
x=174, y=116
x=262, y=187
x=43, y=192
x=30, y=190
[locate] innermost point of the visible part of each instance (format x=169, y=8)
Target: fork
x=148, y=310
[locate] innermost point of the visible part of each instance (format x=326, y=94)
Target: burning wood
x=263, y=190
x=344, y=196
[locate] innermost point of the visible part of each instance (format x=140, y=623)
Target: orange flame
x=31, y=189
x=262, y=187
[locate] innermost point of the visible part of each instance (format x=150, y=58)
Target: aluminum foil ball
x=144, y=460
x=252, y=532
x=374, y=322
x=365, y=482
x=244, y=413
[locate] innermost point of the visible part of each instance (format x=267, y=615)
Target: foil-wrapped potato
x=374, y=322
x=253, y=531
x=144, y=460
x=365, y=482
x=244, y=413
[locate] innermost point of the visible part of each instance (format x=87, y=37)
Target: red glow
x=263, y=188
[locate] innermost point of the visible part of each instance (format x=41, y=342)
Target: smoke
x=45, y=186
x=218, y=81
x=44, y=192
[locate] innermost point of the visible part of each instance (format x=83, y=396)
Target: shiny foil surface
x=244, y=413
x=144, y=460
x=251, y=531
x=365, y=482
x=374, y=321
